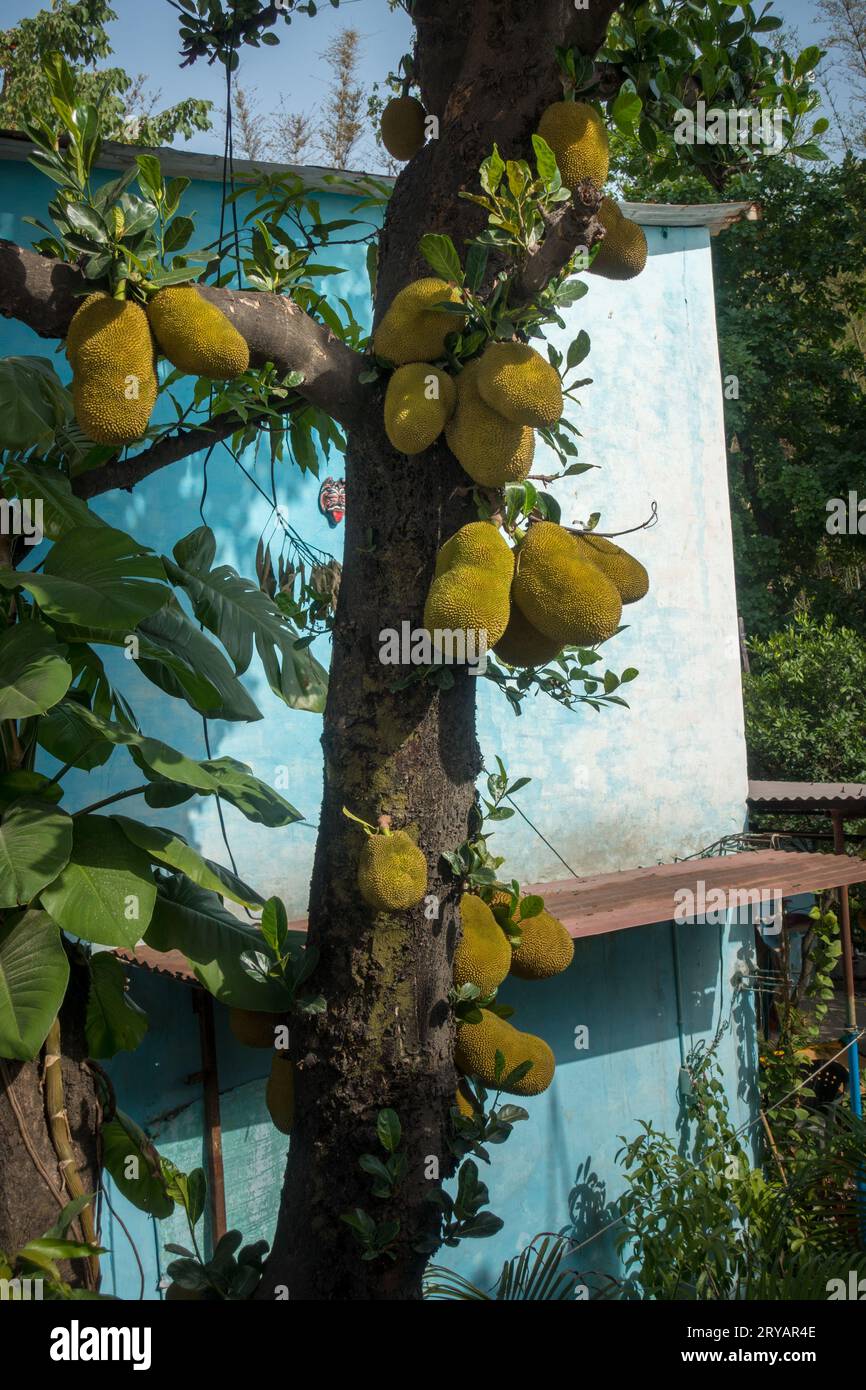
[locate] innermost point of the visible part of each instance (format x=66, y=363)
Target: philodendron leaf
x=34, y=403
x=33, y=673
x=34, y=973
x=35, y=844
x=133, y=1164
x=106, y=892
x=167, y=847
x=114, y=1022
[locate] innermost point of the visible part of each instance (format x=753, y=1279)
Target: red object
x=332, y=500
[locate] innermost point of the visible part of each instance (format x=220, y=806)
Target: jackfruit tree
x=485, y=237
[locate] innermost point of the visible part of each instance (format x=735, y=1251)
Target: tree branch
x=574, y=225
x=41, y=292
x=125, y=473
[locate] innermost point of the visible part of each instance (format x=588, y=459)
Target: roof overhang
x=804, y=798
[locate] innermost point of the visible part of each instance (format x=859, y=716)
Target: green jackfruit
x=392, y=872
x=252, y=1029
x=483, y=956
x=413, y=329
x=478, y=1043
x=520, y=384
x=623, y=253
x=492, y=450
x=523, y=645
x=463, y=1101
x=403, y=127
x=471, y=588
x=576, y=134
x=418, y=401
x=563, y=595
x=195, y=335
x=280, y=1092
x=545, y=948
x=627, y=574
x=113, y=373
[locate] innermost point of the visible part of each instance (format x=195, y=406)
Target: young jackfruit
x=195, y=335
x=623, y=253
x=478, y=1043
x=403, y=127
x=492, y=450
x=483, y=956
x=564, y=595
x=252, y=1029
x=627, y=574
x=523, y=645
x=545, y=948
x=413, y=329
x=463, y=1101
x=418, y=402
x=521, y=384
x=576, y=134
x=470, y=593
x=280, y=1092
x=113, y=374
x=392, y=872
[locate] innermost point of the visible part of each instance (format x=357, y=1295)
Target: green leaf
x=183, y=662
x=106, y=892
x=388, y=1130
x=626, y=110
x=193, y=920
x=114, y=1022
x=491, y=171
x=95, y=578
x=62, y=510
x=132, y=1161
x=578, y=350
x=440, y=252
x=20, y=783
x=34, y=403
x=35, y=844
x=34, y=973
x=167, y=847
x=33, y=673
x=545, y=160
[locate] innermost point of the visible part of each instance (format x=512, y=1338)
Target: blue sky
x=145, y=41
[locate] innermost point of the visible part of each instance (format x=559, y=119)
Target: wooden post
x=203, y=1004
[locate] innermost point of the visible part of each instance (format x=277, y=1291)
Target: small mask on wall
x=332, y=500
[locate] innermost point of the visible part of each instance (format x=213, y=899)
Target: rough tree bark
x=487, y=70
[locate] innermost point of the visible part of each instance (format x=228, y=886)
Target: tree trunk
x=32, y=1192
x=487, y=70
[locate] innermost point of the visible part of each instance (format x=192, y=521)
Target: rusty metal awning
x=638, y=897
x=174, y=964
x=801, y=798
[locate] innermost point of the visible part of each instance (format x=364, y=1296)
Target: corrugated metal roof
x=171, y=963
x=805, y=796
x=195, y=165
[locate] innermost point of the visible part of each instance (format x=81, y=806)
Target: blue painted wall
x=609, y=790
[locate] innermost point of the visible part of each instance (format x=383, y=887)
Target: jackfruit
x=576, y=134
x=418, y=401
x=623, y=253
x=478, y=1043
x=113, y=374
x=627, y=574
x=471, y=588
x=523, y=645
x=483, y=956
x=545, y=948
x=463, y=1101
x=563, y=595
x=521, y=384
x=195, y=335
x=413, y=329
x=403, y=127
x=252, y=1029
x=280, y=1092
x=392, y=872
x=492, y=450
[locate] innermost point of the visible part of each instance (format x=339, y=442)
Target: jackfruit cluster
x=195, y=335
x=523, y=645
x=478, y=1043
x=113, y=370
x=419, y=400
x=560, y=592
x=403, y=127
x=519, y=383
x=253, y=1029
x=463, y=1101
x=576, y=134
x=545, y=949
x=280, y=1092
x=483, y=955
x=491, y=449
x=623, y=253
x=392, y=872
x=627, y=574
x=413, y=328
x=471, y=587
